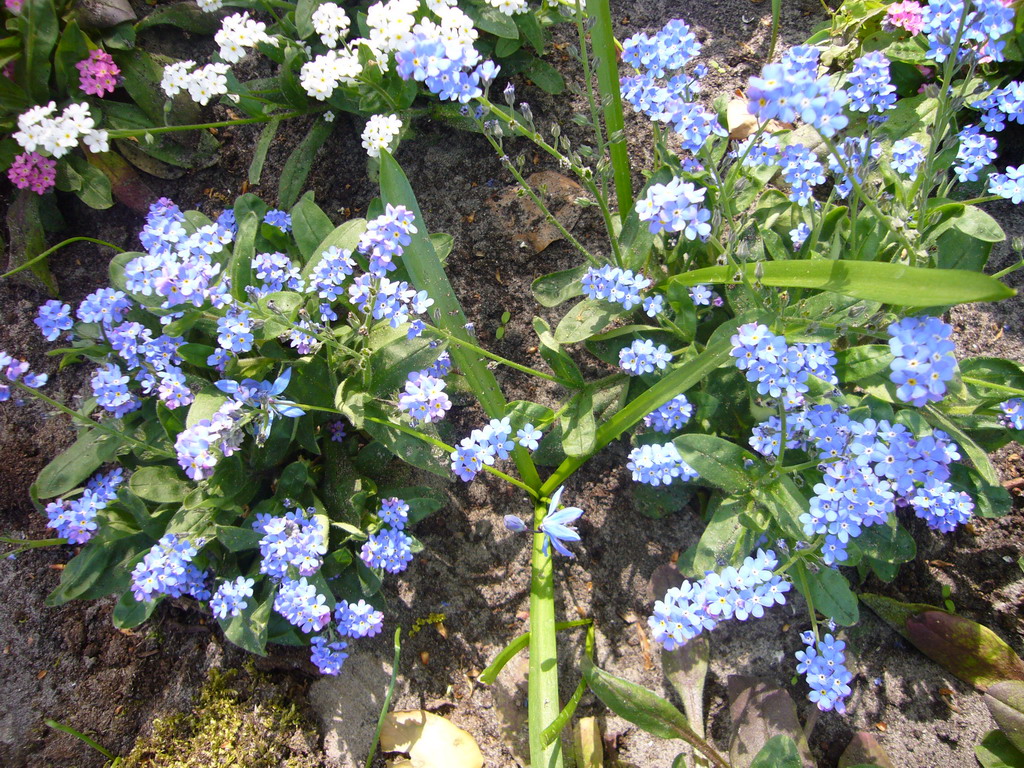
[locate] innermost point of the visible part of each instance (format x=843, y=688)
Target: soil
x=70, y=665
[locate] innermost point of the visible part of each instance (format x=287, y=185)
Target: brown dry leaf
x=526, y=221
x=738, y=119
x=429, y=740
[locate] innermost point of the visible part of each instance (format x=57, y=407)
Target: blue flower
x=907, y=157
x=327, y=656
x=1009, y=185
x=264, y=396
x=676, y=207
x=556, y=525
x=529, y=437
x=358, y=619
x=54, y=317
x=389, y=549
x=823, y=665
x=976, y=150
x=616, y=285
x=870, y=87
x=671, y=416
x=231, y=598
x=642, y=356
x=279, y=219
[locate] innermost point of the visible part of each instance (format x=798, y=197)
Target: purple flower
x=556, y=525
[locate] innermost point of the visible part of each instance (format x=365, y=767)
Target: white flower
x=63, y=138
x=238, y=32
x=328, y=116
x=79, y=116
x=391, y=23
x=509, y=7
x=176, y=77
x=207, y=82
x=380, y=131
x=331, y=23
x=210, y=5
x=36, y=115
x=323, y=74
x=97, y=141
x=437, y=7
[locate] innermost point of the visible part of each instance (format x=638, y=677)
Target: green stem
x=499, y=359
x=32, y=543
x=93, y=424
x=776, y=16
x=801, y=573
x=56, y=248
x=866, y=200
x=548, y=215
x=542, y=683
x=1009, y=270
x=552, y=732
x=990, y=385
x=489, y=675
x=124, y=133
x=387, y=699
x=603, y=41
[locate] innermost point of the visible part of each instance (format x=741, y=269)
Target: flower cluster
x=615, y=285
x=424, y=398
x=321, y=77
x=671, y=416
x=201, y=84
x=167, y=569
x=1012, y=416
x=380, y=132
x=75, y=519
x=1009, y=185
x=907, y=15
x=907, y=157
x=328, y=656
x=450, y=68
x=976, y=150
x=200, y=447
x=302, y=605
x=855, y=157
x=17, y=370
x=297, y=540
x=56, y=136
x=986, y=22
x=232, y=597
x=664, y=57
x=736, y=593
x=482, y=447
x=331, y=22
x=923, y=359
x=870, y=88
x=642, y=356
x=389, y=548
x=358, y=619
x=1002, y=105
x=780, y=369
x=792, y=89
x=238, y=32
x=98, y=73
x=823, y=665
x=30, y=170
x=659, y=465
x=676, y=207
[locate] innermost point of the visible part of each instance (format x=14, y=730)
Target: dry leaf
x=739, y=121
x=429, y=740
x=586, y=734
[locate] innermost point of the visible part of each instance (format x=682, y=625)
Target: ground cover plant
x=754, y=321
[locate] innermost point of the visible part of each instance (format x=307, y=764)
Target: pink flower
x=33, y=171
x=906, y=15
x=14, y=6
x=98, y=73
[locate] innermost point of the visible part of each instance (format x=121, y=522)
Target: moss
x=239, y=720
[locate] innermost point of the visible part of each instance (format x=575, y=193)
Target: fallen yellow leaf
x=429, y=740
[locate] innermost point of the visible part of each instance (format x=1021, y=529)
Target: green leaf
x=248, y=630
x=578, y=425
x=240, y=265
x=490, y=19
x=162, y=484
x=719, y=462
x=300, y=161
x=879, y=281
x=585, y=319
x=636, y=704
x=237, y=539
x=406, y=447
x=69, y=469
x=977, y=455
x=557, y=287
x=310, y=225
x=1005, y=700
x=82, y=571
x=391, y=364
x=977, y=372
x=95, y=190
x=344, y=237
x=563, y=366
x=304, y=10
x=858, y=363
x=129, y=612
x=831, y=595
x=779, y=752
x=531, y=30
x=72, y=48
x=997, y=751
x=259, y=157
x=39, y=31
x=545, y=76
x=723, y=538
x=187, y=16
x=969, y=650
x=205, y=404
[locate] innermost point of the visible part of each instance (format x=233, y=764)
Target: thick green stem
x=611, y=98
x=543, y=676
